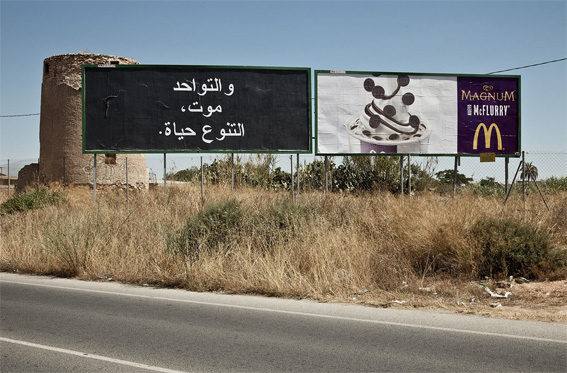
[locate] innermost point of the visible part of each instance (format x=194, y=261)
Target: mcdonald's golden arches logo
x=487, y=136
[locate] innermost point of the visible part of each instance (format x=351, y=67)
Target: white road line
x=90, y=356
x=298, y=313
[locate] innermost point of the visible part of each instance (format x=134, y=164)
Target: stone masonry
x=61, y=157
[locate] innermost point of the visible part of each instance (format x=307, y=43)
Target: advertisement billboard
x=422, y=114
x=145, y=108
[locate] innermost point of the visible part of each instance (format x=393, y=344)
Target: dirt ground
x=541, y=301
x=538, y=301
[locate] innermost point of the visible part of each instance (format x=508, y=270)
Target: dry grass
x=376, y=249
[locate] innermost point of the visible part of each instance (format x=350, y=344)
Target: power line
x=494, y=72
x=523, y=67
x=18, y=115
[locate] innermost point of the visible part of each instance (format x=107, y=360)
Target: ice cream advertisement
x=361, y=113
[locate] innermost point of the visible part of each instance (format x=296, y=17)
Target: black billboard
x=146, y=108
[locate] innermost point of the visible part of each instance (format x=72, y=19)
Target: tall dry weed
x=257, y=241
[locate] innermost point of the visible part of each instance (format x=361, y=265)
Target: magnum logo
x=487, y=136
x=488, y=95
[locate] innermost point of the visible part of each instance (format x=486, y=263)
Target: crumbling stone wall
x=27, y=176
x=60, y=132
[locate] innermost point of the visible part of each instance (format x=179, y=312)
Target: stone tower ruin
x=60, y=134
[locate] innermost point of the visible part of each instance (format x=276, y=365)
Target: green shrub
x=488, y=187
x=510, y=247
x=32, y=200
x=277, y=223
x=448, y=177
x=313, y=175
x=554, y=183
x=210, y=229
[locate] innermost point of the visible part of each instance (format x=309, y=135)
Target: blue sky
x=460, y=37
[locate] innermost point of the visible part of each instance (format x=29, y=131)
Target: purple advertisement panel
x=488, y=115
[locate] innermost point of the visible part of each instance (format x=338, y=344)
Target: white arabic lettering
x=185, y=87
x=212, y=110
x=206, y=129
x=212, y=85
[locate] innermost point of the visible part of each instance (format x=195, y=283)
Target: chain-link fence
x=548, y=165
x=281, y=171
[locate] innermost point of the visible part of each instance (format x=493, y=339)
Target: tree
x=529, y=172
x=448, y=176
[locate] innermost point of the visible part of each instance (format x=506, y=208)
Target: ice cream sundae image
x=387, y=121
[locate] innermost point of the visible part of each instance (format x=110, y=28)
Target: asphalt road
x=62, y=325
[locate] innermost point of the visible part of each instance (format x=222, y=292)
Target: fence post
x=455, y=177
x=506, y=162
x=8, y=178
x=513, y=181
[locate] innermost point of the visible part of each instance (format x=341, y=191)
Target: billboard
x=147, y=108
x=391, y=113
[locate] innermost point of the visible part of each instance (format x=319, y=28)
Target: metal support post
x=127, y=187
x=326, y=176
x=523, y=176
x=402, y=174
x=94, y=179
x=291, y=173
x=298, y=176
x=164, y=177
x=409, y=175
x=202, y=183
x=232, y=171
